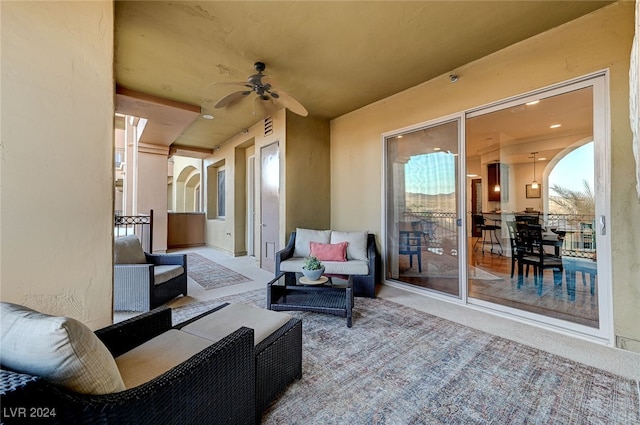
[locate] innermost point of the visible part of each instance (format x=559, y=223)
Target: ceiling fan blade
x=232, y=98
x=264, y=105
x=290, y=103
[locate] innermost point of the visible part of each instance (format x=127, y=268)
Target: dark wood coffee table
x=285, y=293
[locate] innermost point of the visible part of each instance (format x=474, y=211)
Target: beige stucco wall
x=307, y=167
x=151, y=190
x=57, y=158
x=594, y=42
x=185, y=170
x=227, y=234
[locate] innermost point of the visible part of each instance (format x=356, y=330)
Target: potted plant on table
x=312, y=268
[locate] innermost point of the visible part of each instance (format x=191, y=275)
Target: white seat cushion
x=158, y=355
x=221, y=323
x=61, y=350
x=352, y=267
x=164, y=273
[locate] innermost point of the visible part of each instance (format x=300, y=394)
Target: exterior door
x=554, y=147
x=270, y=205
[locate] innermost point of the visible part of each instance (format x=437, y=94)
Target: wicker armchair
x=217, y=385
x=142, y=281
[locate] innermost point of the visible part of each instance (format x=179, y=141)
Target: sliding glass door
x=538, y=240
x=525, y=232
x=422, y=233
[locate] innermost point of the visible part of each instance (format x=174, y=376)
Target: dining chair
x=517, y=246
x=535, y=255
x=410, y=243
x=528, y=217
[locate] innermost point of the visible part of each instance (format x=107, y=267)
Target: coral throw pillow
x=329, y=252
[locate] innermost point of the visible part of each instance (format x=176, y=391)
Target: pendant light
x=496, y=188
x=534, y=183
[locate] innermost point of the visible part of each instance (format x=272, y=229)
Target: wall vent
x=268, y=126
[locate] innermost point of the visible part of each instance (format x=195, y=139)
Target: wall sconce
x=534, y=183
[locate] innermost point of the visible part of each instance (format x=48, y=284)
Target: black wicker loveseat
x=290, y=259
x=216, y=385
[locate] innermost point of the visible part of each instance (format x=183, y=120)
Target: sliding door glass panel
x=421, y=208
x=532, y=244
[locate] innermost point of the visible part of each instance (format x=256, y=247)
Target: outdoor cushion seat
x=163, y=274
x=353, y=267
x=158, y=355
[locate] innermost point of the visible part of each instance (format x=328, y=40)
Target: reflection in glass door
x=421, y=208
x=537, y=238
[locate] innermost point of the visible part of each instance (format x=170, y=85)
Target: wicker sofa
x=142, y=281
x=362, y=260
x=216, y=385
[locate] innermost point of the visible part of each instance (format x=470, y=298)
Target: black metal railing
x=578, y=230
x=139, y=225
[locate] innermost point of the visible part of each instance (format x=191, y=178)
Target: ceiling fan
x=266, y=94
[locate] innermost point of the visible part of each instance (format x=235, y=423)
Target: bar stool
x=488, y=232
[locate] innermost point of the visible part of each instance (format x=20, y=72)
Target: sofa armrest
x=167, y=259
x=286, y=253
x=217, y=385
x=372, y=254
x=122, y=337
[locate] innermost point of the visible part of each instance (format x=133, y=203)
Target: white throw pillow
x=304, y=237
x=357, y=248
x=59, y=349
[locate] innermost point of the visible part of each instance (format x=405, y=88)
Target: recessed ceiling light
x=436, y=149
x=555, y=125
x=542, y=159
x=533, y=102
x=472, y=175
x=400, y=136
x=207, y=117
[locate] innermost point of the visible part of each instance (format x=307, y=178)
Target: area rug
x=398, y=365
x=209, y=274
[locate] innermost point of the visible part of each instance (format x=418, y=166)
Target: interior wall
x=57, y=133
x=600, y=40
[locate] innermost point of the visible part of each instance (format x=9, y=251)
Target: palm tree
x=569, y=201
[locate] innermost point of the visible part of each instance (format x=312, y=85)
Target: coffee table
x=285, y=292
